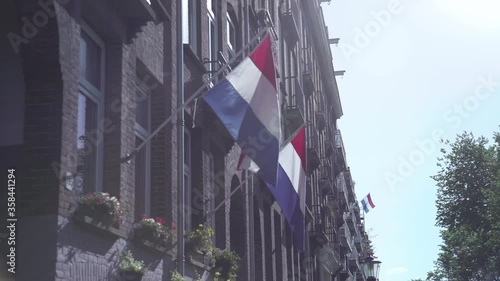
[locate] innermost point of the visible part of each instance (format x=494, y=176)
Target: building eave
x=316, y=21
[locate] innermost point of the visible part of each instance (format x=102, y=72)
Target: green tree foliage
x=468, y=210
x=368, y=248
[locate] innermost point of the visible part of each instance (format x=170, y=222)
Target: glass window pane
x=185, y=21
x=140, y=181
x=87, y=142
x=90, y=61
x=142, y=111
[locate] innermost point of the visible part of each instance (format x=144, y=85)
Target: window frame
x=212, y=38
x=190, y=24
x=87, y=89
x=211, y=177
x=143, y=133
x=230, y=22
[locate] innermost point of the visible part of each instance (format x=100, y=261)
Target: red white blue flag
x=290, y=192
x=247, y=103
x=367, y=203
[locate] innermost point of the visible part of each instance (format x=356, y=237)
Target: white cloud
x=397, y=270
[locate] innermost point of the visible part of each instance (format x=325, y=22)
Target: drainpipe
x=180, y=142
x=250, y=184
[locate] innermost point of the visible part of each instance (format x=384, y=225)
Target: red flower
x=160, y=220
x=174, y=227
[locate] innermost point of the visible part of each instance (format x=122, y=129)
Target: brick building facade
x=87, y=81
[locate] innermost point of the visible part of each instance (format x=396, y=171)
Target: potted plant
x=130, y=268
x=101, y=207
x=226, y=264
x=176, y=276
x=199, y=242
x=153, y=232
x=262, y=17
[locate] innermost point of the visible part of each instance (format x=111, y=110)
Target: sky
x=416, y=72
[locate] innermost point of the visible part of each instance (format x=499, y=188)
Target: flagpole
x=246, y=180
x=195, y=95
x=180, y=143
x=211, y=214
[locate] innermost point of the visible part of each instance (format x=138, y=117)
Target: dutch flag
x=367, y=203
x=247, y=103
x=290, y=192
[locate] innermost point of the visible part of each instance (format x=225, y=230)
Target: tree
x=468, y=210
x=368, y=248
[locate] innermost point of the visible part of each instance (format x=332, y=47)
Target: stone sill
x=197, y=259
x=99, y=226
x=152, y=246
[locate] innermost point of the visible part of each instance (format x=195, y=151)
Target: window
x=212, y=187
x=143, y=156
x=187, y=180
x=231, y=36
x=190, y=17
x=213, y=50
x=89, y=141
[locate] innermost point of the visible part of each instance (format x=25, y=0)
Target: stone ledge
x=95, y=224
x=152, y=246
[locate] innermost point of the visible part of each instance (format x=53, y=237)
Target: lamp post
x=371, y=268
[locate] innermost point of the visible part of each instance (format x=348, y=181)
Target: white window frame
x=190, y=23
x=187, y=180
x=211, y=177
x=230, y=23
x=96, y=95
x=143, y=133
x=212, y=32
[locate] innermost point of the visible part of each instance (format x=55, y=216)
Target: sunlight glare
x=478, y=13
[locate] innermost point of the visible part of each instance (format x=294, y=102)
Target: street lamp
x=371, y=268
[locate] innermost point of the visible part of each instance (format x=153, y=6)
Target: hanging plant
x=131, y=268
x=153, y=231
x=102, y=207
x=226, y=264
x=200, y=239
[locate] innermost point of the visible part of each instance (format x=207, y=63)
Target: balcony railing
x=320, y=119
x=290, y=21
x=307, y=75
x=354, y=260
x=345, y=238
x=313, y=160
x=339, y=144
x=352, y=223
x=350, y=186
x=326, y=183
x=329, y=143
x=342, y=189
x=358, y=242
x=295, y=111
x=330, y=230
x=319, y=227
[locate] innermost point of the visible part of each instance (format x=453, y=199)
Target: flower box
x=131, y=276
x=98, y=225
x=153, y=234
x=151, y=245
